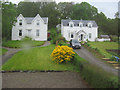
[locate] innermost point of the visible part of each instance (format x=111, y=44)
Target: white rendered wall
x=66, y=29
x=33, y=27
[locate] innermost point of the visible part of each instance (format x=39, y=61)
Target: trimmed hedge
x=94, y=75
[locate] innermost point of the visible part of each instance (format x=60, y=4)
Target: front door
x=81, y=37
x=29, y=33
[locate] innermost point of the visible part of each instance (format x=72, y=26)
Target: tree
x=50, y=10
x=9, y=14
x=65, y=9
x=28, y=9
x=83, y=11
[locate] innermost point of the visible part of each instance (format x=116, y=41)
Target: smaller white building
x=34, y=27
x=103, y=38
x=82, y=30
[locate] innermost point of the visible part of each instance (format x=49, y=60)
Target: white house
x=82, y=30
x=34, y=27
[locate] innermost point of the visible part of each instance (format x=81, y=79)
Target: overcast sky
x=108, y=7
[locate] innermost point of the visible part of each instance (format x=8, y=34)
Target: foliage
x=36, y=59
x=95, y=76
x=62, y=54
x=8, y=18
x=65, y=9
x=83, y=11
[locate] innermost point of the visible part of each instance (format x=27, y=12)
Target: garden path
x=84, y=53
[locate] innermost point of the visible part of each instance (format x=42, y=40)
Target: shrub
x=62, y=54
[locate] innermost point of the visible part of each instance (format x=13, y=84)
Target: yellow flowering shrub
x=62, y=54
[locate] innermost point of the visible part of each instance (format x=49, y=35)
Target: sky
x=108, y=7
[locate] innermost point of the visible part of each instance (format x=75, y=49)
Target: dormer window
x=20, y=22
x=90, y=25
x=81, y=25
x=71, y=25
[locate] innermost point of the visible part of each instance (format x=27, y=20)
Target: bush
x=62, y=54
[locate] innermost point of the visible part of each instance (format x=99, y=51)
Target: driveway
x=84, y=53
x=43, y=80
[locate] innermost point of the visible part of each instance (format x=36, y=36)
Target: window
x=71, y=25
x=72, y=36
x=81, y=25
x=90, y=35
x=90, y=25
x=20, y=22
x=37, y=32
x=68, y=24
x=77, y=24
x=20, y=32
x=38, y=23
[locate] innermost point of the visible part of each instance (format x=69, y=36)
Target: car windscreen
x=75, y=41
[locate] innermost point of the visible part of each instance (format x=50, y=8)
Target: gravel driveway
x=84, y=53
x=43, y=80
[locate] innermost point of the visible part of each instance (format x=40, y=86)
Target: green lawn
x=102, y=46
x=36, y=59
x=18, y=44
x=3, y=51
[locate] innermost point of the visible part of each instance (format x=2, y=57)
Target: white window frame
x=73, y=35
x=20, y=22
x=19, y=33
x=90, y=35
x=37, y=32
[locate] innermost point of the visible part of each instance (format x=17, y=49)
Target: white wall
x=66, y=29
x=42, y=28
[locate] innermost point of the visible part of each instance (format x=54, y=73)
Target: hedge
x=95, y=76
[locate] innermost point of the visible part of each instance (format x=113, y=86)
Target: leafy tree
x=83, y=11
x=50, y=10
x=8, y=17
x=65, y=9
x=28, y=9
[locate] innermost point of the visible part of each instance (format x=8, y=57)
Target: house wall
x=65, y=30
x=33, y=27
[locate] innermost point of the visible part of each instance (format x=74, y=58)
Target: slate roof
x=76, y=22
x=29, y=19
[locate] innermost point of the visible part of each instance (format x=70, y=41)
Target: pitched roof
x=29, y=19
x=76, y=22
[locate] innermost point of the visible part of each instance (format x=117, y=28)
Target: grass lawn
x=3, y=51
x=36, y=59
x=103, y=46
x=18, y=44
